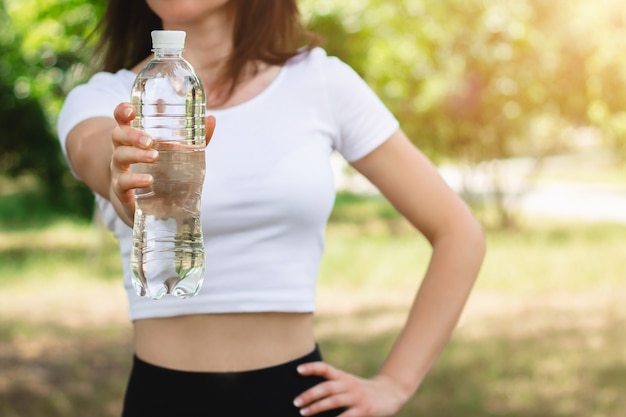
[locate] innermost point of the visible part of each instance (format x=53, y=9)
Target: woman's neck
x=209, y=43
x=208, y=46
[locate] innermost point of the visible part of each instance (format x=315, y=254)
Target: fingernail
x=146, y=179
x=304, y=411
x=145, y=140
x=300, y=369
x=297, y=402
x=152, y=154
x=128, y=112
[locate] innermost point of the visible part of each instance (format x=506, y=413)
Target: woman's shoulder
x=122, y=78
x=106, y=86
x=95, y=98
x=312, y=57
x=318, y=61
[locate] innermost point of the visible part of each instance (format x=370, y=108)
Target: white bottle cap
x=168, y=39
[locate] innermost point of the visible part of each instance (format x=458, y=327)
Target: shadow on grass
x=48, y=370
x=21, y=257
x=57, y=249
x=555, y=371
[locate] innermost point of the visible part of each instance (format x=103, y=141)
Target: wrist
x=402, y=391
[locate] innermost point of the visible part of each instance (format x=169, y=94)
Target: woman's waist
x=224, y=342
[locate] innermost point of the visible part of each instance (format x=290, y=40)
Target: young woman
x=279, y=107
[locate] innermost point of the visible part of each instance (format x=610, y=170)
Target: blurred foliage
x=475, y=80
x=42, y=49
x=470, y=80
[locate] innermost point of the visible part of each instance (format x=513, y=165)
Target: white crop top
x=269, y=187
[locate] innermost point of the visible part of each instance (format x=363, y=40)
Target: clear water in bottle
x=168, y=249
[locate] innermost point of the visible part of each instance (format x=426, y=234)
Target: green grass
x=62, y=250
x=542, y=335
x=554, y=258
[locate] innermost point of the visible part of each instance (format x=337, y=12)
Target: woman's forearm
x=453, y=268
x=89, y=150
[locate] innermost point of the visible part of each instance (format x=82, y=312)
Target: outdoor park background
x=519, y=102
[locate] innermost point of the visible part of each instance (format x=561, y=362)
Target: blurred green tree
x=476, y=81
x=470, y=80
x=42, y=55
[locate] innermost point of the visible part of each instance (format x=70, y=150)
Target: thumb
x=209, y=128
x=124, y=113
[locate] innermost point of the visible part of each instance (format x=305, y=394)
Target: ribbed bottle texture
x=168, y=249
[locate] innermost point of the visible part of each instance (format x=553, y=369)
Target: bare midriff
x=224, y=342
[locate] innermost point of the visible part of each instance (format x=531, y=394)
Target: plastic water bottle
x=168, y=248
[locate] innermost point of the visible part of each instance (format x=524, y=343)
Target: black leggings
x=160, y=392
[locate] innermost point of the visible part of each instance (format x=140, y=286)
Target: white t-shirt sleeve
x=97, y=98
x=364, y=122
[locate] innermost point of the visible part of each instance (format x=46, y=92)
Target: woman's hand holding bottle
x=130, y=146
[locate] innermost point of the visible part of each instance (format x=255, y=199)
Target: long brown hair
x=268, y=31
